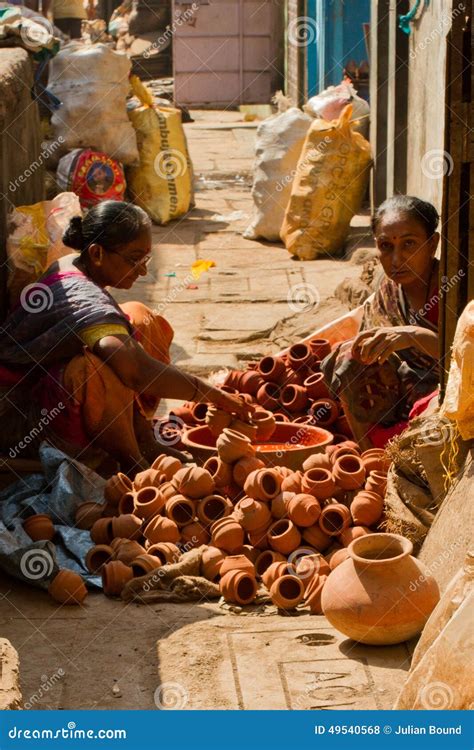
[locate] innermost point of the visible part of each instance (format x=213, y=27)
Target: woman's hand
x=377, y=344
x=232, y=404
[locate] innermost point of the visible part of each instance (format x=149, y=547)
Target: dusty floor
x=109, y=655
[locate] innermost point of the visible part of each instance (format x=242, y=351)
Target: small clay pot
x=294, y=398
x=97, y=556
x=39, y=527
x=316, y=537
x=280, y=417
x=147, y=502
x=147, y=478
x=250, y=381
x=199, y=412
x=168, y=490
x=349, y=472
x=231, y=446
x=127, y=503
x=272, y=369
x=161, y=529
x=294, y=377
x=237, y=562
x=259, y=538
x=265, y=424
x=338, y=557
x=250, y=553
x=300, y=355
x=250, y=430
x=366, y=508
x=351, y=533
x=194, y=534
x=101, y=532
x=127, y=551
x=310, y=566
x=227, y=534
x=319, y=483
x=375, y=459
x=274, y=571
x=246, y=398
x=180, y=509
x=115, y=487
x=376, y=482
x=144, y=564
x=279, y=504
x=167, y=465
x=283, y=536
x=263, y=484
x=334, y=519
x=252, y=514
x=314, y=593
x=87, y=514
x=67, y=587
x=267, y=558
x=183, y=413
x=217, y=420
x=193, y=482
x=268, y=396
x=211, y=562
x=239, y=587
x=220, y=472
x=166, y=552
x=287, y=592
x=292, y=483
x=212, y=508
x=127, y=526
x=244, y=467
x=316, y=387
x=324, y=411
x=304, y=510
x=317, y=461
x=342, y=450
x=115, y=575
x=320, y=348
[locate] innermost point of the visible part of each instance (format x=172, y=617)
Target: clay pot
x=324, y=411
x=303, y=510
x=283, y=536
x=211, y=562
x=275, y=571
x=272, y=369
x=127, y=526
x=147, y=502
x=381, y=595
x=250, y=553
x=310, y=566
x=317, y=461
x=287, y=592
x=263, y=484
x=115, y=487
x=320, y=348
x=268, y=396
x=349, y=472
x=194, y=534
x=252, y=514
x=279, y=504
x=39, y=527
x=213, y=507
x=338, y=557
x=294, y=377
x=258, y=538
x=227, y=534
x=167, y=465
x=244, y=428
x=280, y=417
x=127, y=551
x=267, y=558
x=319, y=483
x=87, y=514
x=316, y=387
x=127, y=503
x=101, y=532
x=292, y=483
x=161, y=529
x=180, y=509
x=351, y=533
x=294, y=398
x=377, y=482
x=239, y=587
x=168, y=490
x=366, y=508
x=316, y=537
x=115, y=575
x=250, y=382
x=265, y=424
x=67, y=587
x=183, y=413
x=217, y=420
x=147, y=478
x=300, y=355
x=237, y=562
x=342, y=450
x=375, y=459
x=166, y=552
x=97, y=556
x=220, y=472
x=246, y=397
x=244, y=467
x=144, y=564
x=199, y=412
x=193, y=482
x=314, y=592
x=334, y=519
x=231, y=446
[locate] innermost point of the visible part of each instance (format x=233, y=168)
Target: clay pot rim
x=236, y=435
x=316, y=377
x=379, y=542
x=144, y=490
x=269, y=358
x=349, y=457
x=327, y=475
x=289, y=527
x=41, y=516
x=262, y=415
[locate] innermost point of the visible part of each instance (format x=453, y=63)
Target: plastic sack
x=91, y=81
x=34, y=239
x=279, y=142
x=328, y=188
x=440, y=676
x=329, y=104
x=458, y=403
x=92, y=176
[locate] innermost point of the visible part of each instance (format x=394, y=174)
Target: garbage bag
x=328, y=189
x=458, y=405
x=329, y=105
x=92, y=176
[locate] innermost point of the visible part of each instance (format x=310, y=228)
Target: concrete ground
x=106, y=654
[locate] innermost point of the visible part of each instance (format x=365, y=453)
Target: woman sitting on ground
x=394, y=360
x=80, y=369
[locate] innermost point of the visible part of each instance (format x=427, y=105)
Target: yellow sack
x=328, y=188
x=162, y=183
x=458, y=403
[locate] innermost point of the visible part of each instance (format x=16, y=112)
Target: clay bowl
x=290, y=444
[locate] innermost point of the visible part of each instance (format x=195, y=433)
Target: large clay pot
x=87, y=514
x=366, y=508
x=239, y=587
x=213, y=507
x=314, y=592
x=167, y=465
x=166, y=552
x=161, y=529
x=334, y=519
x=316, y=537
x=128, y=550
x=268, y=396
x=148, y=501
x=351, y=533
x=274, y=571
x=67, y=587
x=115, y=487
x=324, y=412
x=220, y=472
x=375, y=459
x=272, y=369
x=194, y=482
x=237, y=562
x=244, y=467
x=267, y=558
x=377, y=482
x=316, y=387
x=319, y=483
x=349, y=472
x=283, y=536
x=381, y=595
x=115, y=575
x=231, y=446
x=211, y=562
x=250, y=430
x=180, y=509
x=144, y=564
x=39, y=527
x=101, y=532
x=127, y=526
x=252, y=514
x=263, y=484
x=303, y=510
x=265, y=424
x=294, y=398
x=318, y=461
x=97, y=556
x=227, y=534
x=287, y=592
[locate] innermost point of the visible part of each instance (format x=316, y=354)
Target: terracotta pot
x=67, y=587
x=180, y=509
x=283, y=536
x=265, y=424
x=263, y=484
x=317, y=461
x=147, y=478
x=316, y=387
x=267, y=558
x=268, y=396
x=244, y=428
x=161, y=529
x=148, y=502
x=167, y=465
x=342, y=450
x=97, y=556
x=199, y=412
x=217, y=420
x=194, y=534
x=211, y=562
x=127, y=551
x=351, y=533
x=280, y=417
x=168, y=490
x=87, y=514
x=127, y=503
x=101, y=532
x=310, y=566
x=338, y=557
x=183, y=413
x=314, y=592
x=343, y=444
x=212, y=508
x=244, y=467
x=115, y=575
x=227, y=534
x=324, y=411
x=294, y=398
x=279, y=504
x=275, y=571
x=294, y=377
x=349, y=472
x=377, y=482
x=366, y=508
x=127, y=526
x=166, y=552
x=319, y=483
x=381, y=595
x=247, y=398
x=144, y=564
x=237, y=562
x=239, y=587
x=320, y=348
x=231, y=446
x=250, y=553
x=252, y=514
x=303, y=510
x=292, y=483
x=334, y=519
x=259, y=538
x=115, y=487
x=272, y=369
x=375, y=459
x=220, y=472
x=229, y=389
x=250, y=382
x=316, y=537
x=287, y=592
x=193, y=482
x=39, y=527
x=300, y=355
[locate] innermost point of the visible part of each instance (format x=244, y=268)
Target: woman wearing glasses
x=84, y=371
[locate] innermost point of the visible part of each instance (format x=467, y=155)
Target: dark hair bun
x=73, y=236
